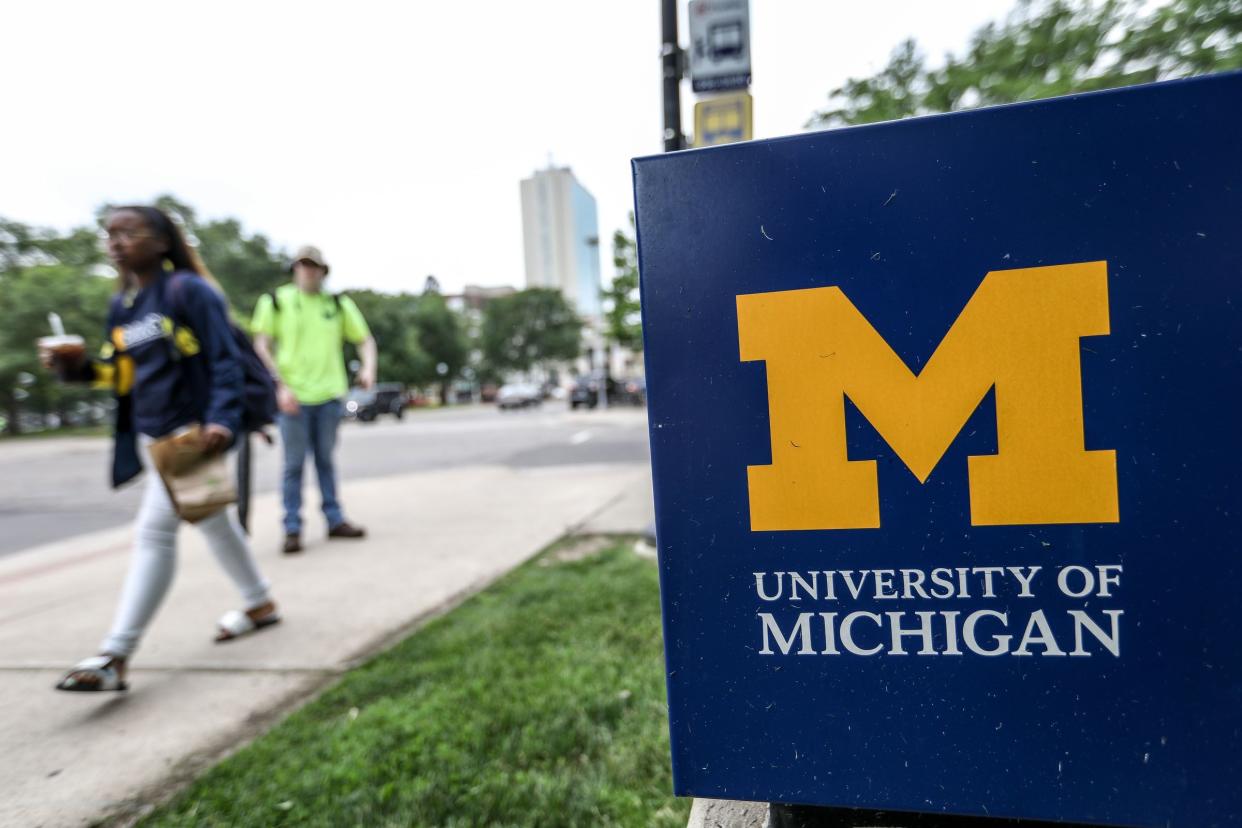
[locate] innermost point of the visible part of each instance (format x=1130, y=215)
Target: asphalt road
x=52, y=489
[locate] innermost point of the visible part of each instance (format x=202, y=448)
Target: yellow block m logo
x=1020, y=332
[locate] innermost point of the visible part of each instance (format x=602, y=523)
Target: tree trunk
x=12, y=411
x=62, y=410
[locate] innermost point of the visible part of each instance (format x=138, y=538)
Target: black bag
x=258, y=388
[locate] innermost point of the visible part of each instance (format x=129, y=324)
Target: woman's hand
x=64, y=366
x=215, y=438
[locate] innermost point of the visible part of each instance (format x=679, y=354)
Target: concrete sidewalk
x=69, y=759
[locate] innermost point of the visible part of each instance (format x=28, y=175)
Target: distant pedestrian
x=308, y=328
x=172, y=361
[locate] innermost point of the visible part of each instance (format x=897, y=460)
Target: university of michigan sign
x=948, y=463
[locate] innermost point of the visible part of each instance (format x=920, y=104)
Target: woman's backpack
x=258, y=388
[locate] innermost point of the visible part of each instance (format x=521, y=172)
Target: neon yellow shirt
x=310, y=331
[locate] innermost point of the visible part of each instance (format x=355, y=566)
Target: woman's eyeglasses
x=124, y=235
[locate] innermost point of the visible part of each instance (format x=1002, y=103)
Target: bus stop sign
x=948, y=467
x=719, y=45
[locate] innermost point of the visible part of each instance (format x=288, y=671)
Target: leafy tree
x=530, y=327
x=622, y=324
x=42, y=271
x=415, y=335
x=22, y=246
x=246, y=265
x=442, y=337
x=15, y=244
x=1046, y=48
x=392, y=323
x=27, y=296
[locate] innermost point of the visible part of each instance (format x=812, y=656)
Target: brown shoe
x=345, y=529
x=293, y=544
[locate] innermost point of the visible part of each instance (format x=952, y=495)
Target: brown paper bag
x=200, y=485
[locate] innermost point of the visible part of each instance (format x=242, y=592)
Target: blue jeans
x=311, y=431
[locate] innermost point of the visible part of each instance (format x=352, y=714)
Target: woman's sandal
x=235, y=624
x=101, y=668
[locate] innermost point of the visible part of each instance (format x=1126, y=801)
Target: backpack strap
x=174, y=292
x=336, y=305
x=271, y=294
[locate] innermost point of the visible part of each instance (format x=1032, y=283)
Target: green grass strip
x=539, y=702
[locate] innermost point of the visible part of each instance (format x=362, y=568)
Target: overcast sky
x=391, y=135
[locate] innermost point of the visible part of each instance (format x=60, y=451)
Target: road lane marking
x=580, y=438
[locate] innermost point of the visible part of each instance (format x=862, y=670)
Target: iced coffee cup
x=68, y=349
x=62, y=351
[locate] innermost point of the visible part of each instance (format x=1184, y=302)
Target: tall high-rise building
x=560, y=234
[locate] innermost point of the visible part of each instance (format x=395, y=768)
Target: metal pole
x=243, y=482
x=670, y=57
x=600, y=357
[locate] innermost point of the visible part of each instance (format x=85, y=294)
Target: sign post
x=944, y=428
x=671, y=71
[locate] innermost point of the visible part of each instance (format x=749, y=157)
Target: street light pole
x=670, y=57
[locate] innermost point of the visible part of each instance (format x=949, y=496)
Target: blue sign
x=945, y=427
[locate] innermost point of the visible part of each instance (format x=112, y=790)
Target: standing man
x=309, y=328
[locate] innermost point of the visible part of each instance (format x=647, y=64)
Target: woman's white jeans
x=155, y=557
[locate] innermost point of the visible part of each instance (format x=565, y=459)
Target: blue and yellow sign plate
x=945, y=433
x=724, y=119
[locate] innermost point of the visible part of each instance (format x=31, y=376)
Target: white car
x=517, y=395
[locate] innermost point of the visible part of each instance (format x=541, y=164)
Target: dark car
x=390, y=398
x=585, y=391
x=366, y=406
x=620, y=392
x=632, y=391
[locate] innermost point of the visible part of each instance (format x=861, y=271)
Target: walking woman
x=171, y=359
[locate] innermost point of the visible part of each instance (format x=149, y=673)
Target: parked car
x=633, y=391
x=366, y=406
x=586, y=391
x=518, y=395
x=390, y=398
